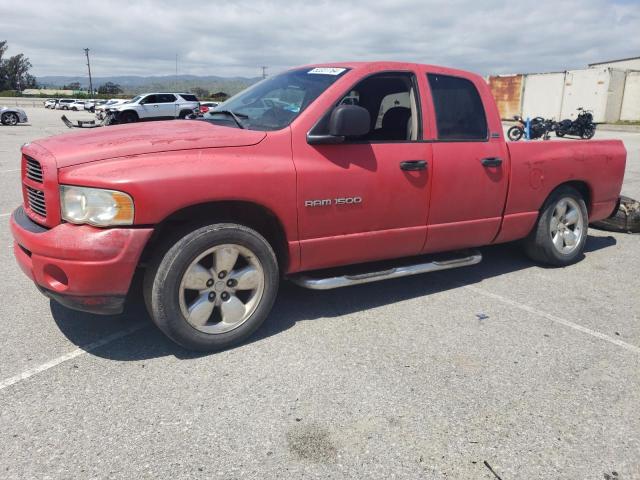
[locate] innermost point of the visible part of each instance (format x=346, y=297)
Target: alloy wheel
x=566, y=225
x=221, y=288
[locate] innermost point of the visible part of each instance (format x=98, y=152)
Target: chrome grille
x=34, y=170
x=36, y=201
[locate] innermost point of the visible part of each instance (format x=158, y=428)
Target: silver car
x=12, y=116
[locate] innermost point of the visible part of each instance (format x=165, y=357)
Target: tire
x=183, y=114
x=559, y=133
x=10, y=118
x=128, y=117
x=515, y=133
x=65, y=108
x=626, y=218
x=191, y=299
x=547, y=243
x=588, y=132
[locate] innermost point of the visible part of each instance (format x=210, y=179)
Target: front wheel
x=561, y=231
x=560, y=133
x=213, y=287
x=588, y=132
x=10, y=119
x=515, y=133
x=128, y=117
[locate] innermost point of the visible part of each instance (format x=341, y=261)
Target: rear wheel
x=212, y=288
x=184, y=113
x=561, y=232
x=10, y=118
x=515, y=133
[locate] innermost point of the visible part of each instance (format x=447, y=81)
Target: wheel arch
x=128, y=111
x=581, y=186
x=249, y=214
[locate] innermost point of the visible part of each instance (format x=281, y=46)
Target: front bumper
x=82, y=267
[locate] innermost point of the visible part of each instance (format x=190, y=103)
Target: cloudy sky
x=228, y=38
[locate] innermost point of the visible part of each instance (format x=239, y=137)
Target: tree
x=221, y=96
x=110, y=88
x=14, y=71
x=200, y=92
x=72, y=86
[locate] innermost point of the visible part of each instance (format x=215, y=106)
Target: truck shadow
x=294, y=304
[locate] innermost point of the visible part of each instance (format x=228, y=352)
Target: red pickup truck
x=301, y=175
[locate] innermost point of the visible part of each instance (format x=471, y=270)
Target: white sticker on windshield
x=327, y=70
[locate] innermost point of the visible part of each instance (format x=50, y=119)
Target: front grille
x=36, y=201
x=34, y=170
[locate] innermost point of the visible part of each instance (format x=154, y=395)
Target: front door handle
x=491, y=162
x=413, y=165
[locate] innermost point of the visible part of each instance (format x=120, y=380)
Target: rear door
x=167, y=105
x=470, y=165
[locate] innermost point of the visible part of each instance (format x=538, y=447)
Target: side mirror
x=345, y=121
x=349, y=121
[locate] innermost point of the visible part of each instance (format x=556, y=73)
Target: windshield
x=135, y=99
x=275, y=102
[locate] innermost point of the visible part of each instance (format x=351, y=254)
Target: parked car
x=64, y=103
x=100, y=109
x=214, y=212
x=50, y=103
x=91, y=105
x=206, y=106
x=78, y=105
x=12, y=116
x=155, y=106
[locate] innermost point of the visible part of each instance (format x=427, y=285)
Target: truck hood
x=142, y=138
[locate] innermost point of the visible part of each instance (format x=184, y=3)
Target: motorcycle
x=582, y=126
x=538, y=128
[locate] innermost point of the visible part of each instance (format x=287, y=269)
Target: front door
x=367, y=199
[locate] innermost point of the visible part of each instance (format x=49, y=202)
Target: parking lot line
x=553, y=318
x=12, y=170
x=5, y=214
x=68, y=356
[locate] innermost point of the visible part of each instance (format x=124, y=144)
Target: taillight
x=204, y=109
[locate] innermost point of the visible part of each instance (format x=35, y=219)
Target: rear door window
x=189, y=97
x=459, y=110
x=166, y=98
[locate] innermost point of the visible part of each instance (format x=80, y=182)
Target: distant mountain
x=135, y=84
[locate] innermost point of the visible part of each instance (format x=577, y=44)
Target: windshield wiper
x=236, y=116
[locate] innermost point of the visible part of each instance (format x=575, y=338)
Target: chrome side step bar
x=327, y=283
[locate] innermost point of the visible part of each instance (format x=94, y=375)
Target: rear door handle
x=413, y=165
x=491, y=162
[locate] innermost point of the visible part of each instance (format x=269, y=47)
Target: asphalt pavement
x=531, y=372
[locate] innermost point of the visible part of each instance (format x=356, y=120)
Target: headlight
x=95, y=206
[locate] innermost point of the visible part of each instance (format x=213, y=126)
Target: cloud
x=236, y=38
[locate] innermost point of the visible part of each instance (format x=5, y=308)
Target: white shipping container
x=631, y=100
x=543, y=95
x=596, y=89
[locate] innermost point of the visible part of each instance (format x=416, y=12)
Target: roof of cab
x=393, y=65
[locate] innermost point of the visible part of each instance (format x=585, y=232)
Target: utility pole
x=176, y=78
x=86, y=52
x=264, y=71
